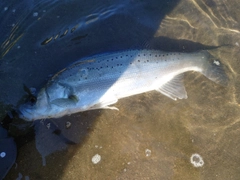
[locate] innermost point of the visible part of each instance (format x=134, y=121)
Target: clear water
x=152, y=136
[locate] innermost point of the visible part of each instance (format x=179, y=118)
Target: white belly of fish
x=137, y=81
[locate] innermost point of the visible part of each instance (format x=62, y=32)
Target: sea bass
x=99, y=81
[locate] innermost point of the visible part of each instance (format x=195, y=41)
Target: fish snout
x=25, y=112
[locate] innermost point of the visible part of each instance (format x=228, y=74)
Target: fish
x=99, y=81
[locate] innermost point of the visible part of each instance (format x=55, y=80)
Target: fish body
x=99, y=81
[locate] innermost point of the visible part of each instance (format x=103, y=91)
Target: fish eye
x=32, y=100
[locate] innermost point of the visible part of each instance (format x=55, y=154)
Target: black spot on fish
x=138, y=60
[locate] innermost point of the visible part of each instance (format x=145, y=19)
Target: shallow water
x=152, y=136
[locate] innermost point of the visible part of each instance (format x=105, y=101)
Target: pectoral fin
x=174, y=88
x=65, y=102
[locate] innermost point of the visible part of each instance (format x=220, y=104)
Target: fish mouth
x=25, y=112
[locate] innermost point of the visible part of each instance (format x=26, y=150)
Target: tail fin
x=213, y=70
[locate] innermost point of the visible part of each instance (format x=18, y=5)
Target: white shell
x=96, y=159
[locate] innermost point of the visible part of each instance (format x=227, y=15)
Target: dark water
x=151, y=137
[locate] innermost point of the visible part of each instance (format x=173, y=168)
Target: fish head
x=36, y=108
x=52, y=101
